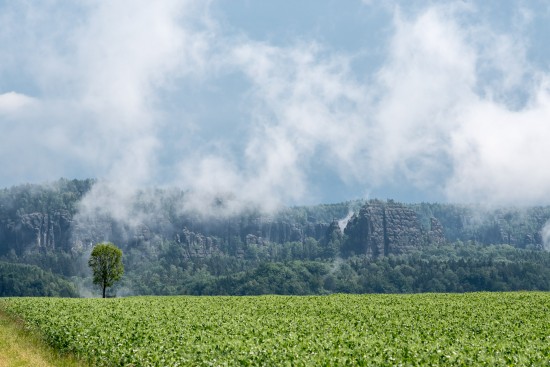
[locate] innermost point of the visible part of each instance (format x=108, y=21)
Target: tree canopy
x=106, y=263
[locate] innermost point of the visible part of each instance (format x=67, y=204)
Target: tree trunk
x=104, y=287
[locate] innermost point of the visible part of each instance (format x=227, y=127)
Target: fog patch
x=545, y=233
x=342, y=223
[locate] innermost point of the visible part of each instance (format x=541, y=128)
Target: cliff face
x=516, y=227
x=44, y=230
x=39, y=217
x=198, y=237
x=381, y=229
x=257, y=228
x=36, y=218
x=278, y=231
x=196, y=245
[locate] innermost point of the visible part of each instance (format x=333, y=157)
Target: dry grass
x=19, y=347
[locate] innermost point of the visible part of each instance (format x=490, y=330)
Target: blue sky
x=280, y=102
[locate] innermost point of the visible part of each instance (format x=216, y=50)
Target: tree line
x=304, y=254
x=455, y=267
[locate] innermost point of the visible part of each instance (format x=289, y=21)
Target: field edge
x=20, y=346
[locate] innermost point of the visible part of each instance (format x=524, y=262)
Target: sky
x=281, y=102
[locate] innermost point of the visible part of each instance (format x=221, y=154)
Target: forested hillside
x=373, y=246
x=18, y=280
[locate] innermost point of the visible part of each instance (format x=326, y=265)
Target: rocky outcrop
x=196, y=245
x=516, y=227
x=256, y=229
x=384, y=228
x=35, y=219
x=436, y=235
x=46, y=230
x=333, y=232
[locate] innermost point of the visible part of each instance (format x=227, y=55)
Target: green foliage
x=177, y=252
x=39, y=213
x=106, y=263
x=512, y=226
x=498, y=329
x=319, y=213
x=61, y=195
x=20, y=280
x=447, y=268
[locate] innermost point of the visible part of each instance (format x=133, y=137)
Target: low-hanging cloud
x=454, y=108
x=429, y=115
x=545, y=234
x=444, y=124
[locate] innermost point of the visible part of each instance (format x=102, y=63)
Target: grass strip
x=20, y=347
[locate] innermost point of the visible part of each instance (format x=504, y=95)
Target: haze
x=280, y=102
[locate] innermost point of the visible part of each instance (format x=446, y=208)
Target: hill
x=356, y=246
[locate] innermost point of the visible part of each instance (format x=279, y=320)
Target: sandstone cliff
x=384, y=228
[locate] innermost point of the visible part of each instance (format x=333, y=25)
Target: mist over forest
x=172, y=246
x=255, y=147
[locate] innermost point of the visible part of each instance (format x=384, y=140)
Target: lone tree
x=106, y=263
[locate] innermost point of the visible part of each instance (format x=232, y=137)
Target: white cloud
x=500, y=154
x=13, y=102
x=454, y=108
x=98, y=70
x=307, y=108
x=127, y=53
x=430, y=73
x=439, y=108
x=431, y=115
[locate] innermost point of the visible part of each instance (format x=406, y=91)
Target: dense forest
x=46, y=235
x=18, y=280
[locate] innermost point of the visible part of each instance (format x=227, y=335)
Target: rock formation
x=384, y=228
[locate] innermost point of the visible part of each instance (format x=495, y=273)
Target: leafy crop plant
x=487, y=329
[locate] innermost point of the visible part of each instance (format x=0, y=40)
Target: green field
x=492, y=329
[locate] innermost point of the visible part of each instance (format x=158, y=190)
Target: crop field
x=491, y=329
